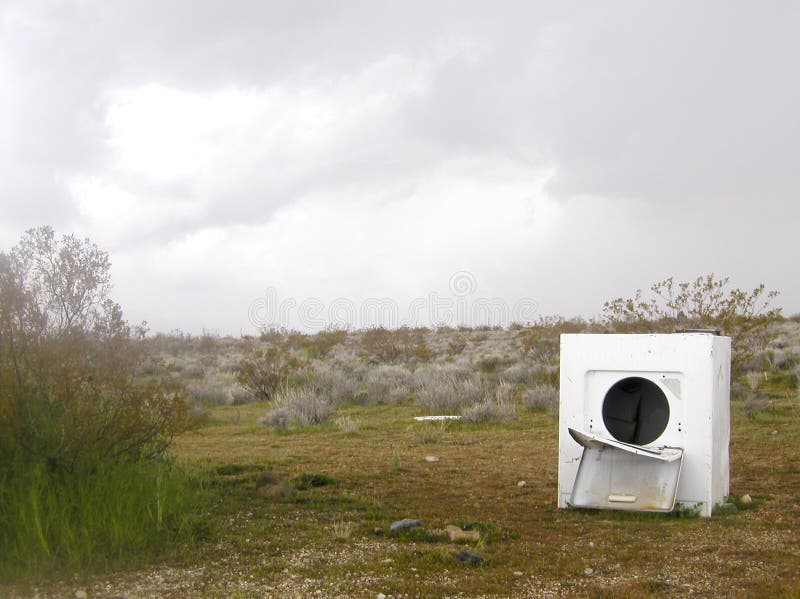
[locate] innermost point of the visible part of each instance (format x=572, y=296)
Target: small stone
x=517, y=573
x=381, y=596
x=591, y=544
x=404, y=524
x=746, y=498
x=588, y=571
x=521, y=484
x=774, y=432
x=431, y=458
x=469, y=558
x=80, y=594
x=458, y=535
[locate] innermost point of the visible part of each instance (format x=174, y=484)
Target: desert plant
x=71, y=369
x=497, y=406
x=488, y=410
x=320, y=345
x=263, y=371
x=331, y=381
x=703, y=303
x=381, y=345
x=446, y=393
x=540, y=341
x=387, y=383
x=430, y=433
x=299, y=407
x=347, y=425
x=523, y=372
x=541, y=398
x=432, y=374
x=342, y=529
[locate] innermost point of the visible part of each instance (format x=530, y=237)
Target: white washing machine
x=644, y=421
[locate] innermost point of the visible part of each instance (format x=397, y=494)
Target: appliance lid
x=622, y=476
x=666, y=454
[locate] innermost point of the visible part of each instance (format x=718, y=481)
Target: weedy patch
x=234, y=469
x=304, y=482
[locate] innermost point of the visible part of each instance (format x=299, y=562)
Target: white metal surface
x=648, y=391
x=622, y=476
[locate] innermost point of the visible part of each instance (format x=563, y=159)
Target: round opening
x=635, y=410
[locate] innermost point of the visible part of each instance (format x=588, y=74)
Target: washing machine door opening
x=635, y=410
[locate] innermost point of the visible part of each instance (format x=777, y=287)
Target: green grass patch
x=303, y=482
x=100, y=516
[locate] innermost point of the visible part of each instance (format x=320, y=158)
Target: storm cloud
x=565, y=153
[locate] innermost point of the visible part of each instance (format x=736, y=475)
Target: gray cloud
x=688, y=110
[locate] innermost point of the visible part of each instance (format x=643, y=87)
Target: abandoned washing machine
x=644, y=421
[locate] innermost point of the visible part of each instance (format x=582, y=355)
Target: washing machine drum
x=635, y=410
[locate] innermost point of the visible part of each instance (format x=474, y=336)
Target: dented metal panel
x=620, y=476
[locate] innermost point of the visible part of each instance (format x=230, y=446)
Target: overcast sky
x=296, y=163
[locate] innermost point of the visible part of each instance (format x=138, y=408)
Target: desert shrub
x=298, y=407
x=456, y=344
x=347, y=425
x=704, y=303
x=387, y=383
x=489, y=364
x=488, y=410
x=381, y=345
x=204, y=395
x=279, y=417
x=320, y=344
x=541, y=340
x=194, y=371
x=541, y=398
x=273, y=336
x=236, y=395
x=431, y=374
x=431, y=432
x=444, y=392
x=207, y=344
x=263, y=371
x=523, y=372
x=496, y=407
x=331, y=382
x=70, y=366
x=213, y=391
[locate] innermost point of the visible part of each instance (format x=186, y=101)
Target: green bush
x=73, y=386
x=85, y=417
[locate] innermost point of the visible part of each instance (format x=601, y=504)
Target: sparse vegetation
x=302, y=510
